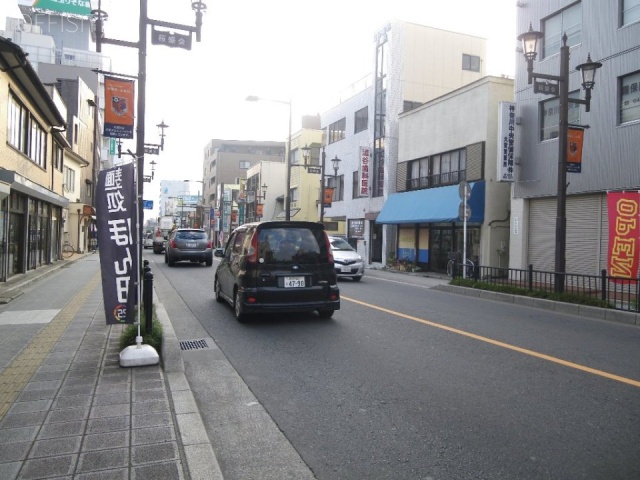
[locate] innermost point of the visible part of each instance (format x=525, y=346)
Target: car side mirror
x=218, y=252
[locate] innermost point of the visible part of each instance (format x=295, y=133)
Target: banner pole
x=138, y=282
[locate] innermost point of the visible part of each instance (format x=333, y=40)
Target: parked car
x=148, y=240
x=277, y=267
x=348, y=263
x=190, y=244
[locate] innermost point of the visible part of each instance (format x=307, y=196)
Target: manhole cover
x=193, y=344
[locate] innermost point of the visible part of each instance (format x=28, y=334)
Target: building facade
x=443, y=144
x=610, y=33
x=32, y=152
x=412, y=64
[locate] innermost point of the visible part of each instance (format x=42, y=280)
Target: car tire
x=325, y=313
x=209, y=262
x=166, y=259
x=237, y=307
x=216, y=289
x=358, y=278
x=170, y=261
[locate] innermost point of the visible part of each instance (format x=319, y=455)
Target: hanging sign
x=506, y=141
x=327, y=197
x=365, y=158
x=575, y=138
x=119, y=107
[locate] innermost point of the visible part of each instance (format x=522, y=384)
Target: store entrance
x=445, y=240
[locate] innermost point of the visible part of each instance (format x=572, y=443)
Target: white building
x=412, y=64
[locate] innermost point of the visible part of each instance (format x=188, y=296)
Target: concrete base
x=139, y=355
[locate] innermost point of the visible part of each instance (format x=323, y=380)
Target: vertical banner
x=575, y=137
x=327, y=197
x=365, y=158
x=506, y=139
x=259, y=209
x=119, y=107
x=116, y=217
x=624, y=233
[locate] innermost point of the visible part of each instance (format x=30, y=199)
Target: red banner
x=119, y=107
x=575, y=140
x=624, y=233
x=327, y=197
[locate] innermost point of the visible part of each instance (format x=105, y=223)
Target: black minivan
x=277, y=267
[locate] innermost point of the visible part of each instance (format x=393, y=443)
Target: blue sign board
x=147, y=204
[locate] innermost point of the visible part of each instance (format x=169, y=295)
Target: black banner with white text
x=117, y=239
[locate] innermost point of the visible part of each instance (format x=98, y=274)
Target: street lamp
x=287, y=196
x=161, y=126
x=561, y=90
x=261, y=197
x=100, y=16
x=336, y=165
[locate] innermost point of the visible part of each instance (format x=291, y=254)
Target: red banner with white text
x=624, y=234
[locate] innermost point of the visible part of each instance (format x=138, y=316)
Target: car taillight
x=252, y=254
x=173, y=244
x=209, y=244
x=329, y=252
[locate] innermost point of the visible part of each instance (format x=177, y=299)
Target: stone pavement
x=67, y=408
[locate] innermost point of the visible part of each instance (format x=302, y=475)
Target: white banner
x=506, y=141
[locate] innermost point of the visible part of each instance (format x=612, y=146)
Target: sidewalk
x=67, y=408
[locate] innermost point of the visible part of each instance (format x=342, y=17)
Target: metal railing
x=616, y=292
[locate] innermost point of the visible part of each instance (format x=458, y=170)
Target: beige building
x=32, y=146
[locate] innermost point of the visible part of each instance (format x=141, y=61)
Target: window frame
x=337, y=130
x=549, y=47
x=25, y=134
x=361, y=120
x=544, y=105
x=470, y=63
x=621, y=97
x=625, y=9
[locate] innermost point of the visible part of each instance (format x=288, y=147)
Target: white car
x=148, y=240
x=347, y=262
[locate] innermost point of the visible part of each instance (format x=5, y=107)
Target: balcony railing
x=439, y=180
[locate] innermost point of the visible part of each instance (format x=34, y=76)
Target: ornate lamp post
x=561, y=90
x=183, y=41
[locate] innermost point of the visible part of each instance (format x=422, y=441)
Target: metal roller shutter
x=586, y=219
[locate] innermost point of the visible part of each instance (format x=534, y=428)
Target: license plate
x=294, y=282
x=191, y=244
x=344, y=269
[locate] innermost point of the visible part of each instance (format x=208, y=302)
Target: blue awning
x=432, y=205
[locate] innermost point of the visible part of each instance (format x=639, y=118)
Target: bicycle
x=455, y=265
x=67, y=250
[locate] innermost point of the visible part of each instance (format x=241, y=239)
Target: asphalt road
x=408, y=382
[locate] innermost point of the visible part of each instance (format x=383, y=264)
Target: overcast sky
x=308, y=52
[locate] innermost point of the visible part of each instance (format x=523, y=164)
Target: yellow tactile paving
x=18, y=373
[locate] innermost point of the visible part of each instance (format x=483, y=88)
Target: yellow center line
x=497, y=343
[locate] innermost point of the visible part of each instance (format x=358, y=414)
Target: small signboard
x=314, y=170
x=170, y=39
x=545, y=87
x=147, y=204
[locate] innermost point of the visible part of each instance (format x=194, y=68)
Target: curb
x=201, y=460
x=610, y=315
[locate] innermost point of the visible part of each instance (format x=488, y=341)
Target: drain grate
x=193, y=344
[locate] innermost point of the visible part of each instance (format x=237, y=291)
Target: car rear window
x=288, y=245
x=191, y=235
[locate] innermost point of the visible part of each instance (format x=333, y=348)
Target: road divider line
x=532, y=353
